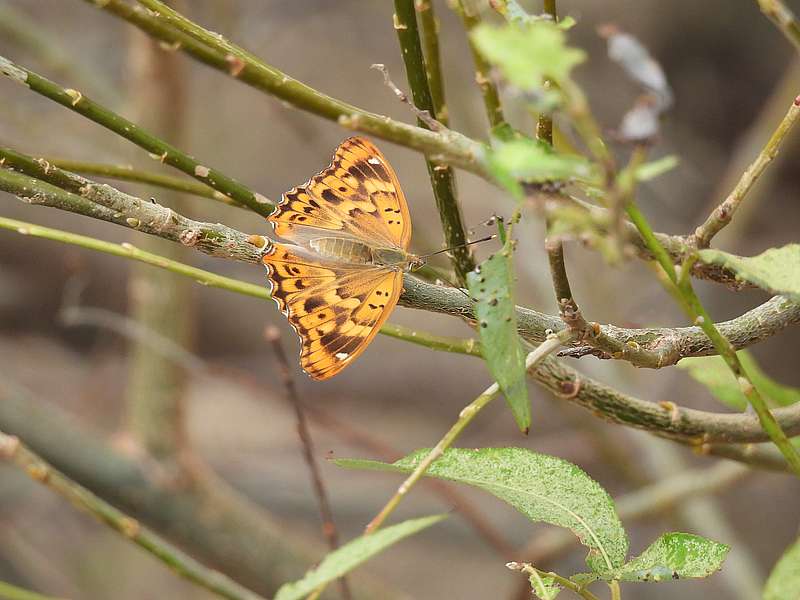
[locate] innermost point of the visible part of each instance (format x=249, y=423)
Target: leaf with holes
x=675, y=556
x=714, y=373
x=543, y=488
x=526, y=160
x=348, y=557
x=491, y=285
x=784, y=581
x=776, y=270
x=526, y=54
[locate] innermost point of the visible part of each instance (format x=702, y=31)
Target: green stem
x=159, y=149
x=483, y=70
x=698, y=314
x=126, y=250
x=429, y=31
x=104, y=202
x=128, y=173
x=692, y=427
x=422, y=338
x=544, y=125
x=469, y=346
x=465, y=417
x=723, y=213
x=14, y=452
x=442, y=177
x=562, y=581
x=783, y=18
x=12, y=592
x=616, y=593
x=211, y=49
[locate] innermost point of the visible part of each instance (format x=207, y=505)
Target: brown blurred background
x=733, y=75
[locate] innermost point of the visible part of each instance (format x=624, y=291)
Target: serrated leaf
x=784, y=581
x=714, y=373
x=528, y=160
x=676, y=556
x=527, y=53
x=543, y=488
x=777, y=270
x=655, y=168
x=348, y=557
x=492, y=285
x=544, y=587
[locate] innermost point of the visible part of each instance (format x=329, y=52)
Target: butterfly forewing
x=358, y=196
x=338, y=301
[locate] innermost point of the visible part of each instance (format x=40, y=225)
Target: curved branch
x=159, y=149
x=223, y=529
x=668, y=420
x=213, y=50
x=15, y=452
x=686, y=424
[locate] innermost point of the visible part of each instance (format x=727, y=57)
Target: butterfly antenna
x=485, y=239
x=450, y=283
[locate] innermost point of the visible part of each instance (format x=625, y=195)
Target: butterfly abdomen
x=342, y=249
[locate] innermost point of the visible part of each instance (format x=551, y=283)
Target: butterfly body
x=340, y=275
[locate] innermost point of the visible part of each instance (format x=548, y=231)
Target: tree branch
x=483, y=70
x=668, y=345
x=158, y=149
x=223, y=529
x=213, y=50
x=15, y=452
x=723, y=214
x=442, y=177
x=128, y=173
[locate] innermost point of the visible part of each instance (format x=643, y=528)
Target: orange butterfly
x=340, y=276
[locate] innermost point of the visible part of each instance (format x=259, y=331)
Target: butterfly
x=340, y=274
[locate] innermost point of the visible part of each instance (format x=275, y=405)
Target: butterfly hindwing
x=358, y=195
x=336, y=309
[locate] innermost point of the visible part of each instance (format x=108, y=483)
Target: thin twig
x=698, y=314
x=563, y=581
x=693, y=426
x=723, y=214
x=783, y=18
x=158, y=149
x=464, y=418
x=128, y=173
x=429, y=31
x=12, y=592
x=422, y=115
x=329, y=531
x=14, y=452
x=441, y=175
x=483, y=72
x=212, y=49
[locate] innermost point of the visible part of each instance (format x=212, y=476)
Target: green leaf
x=784, y=581
x=527, y=53
x=714, y=373
x=543, y=488
x=676, y=556
x=655, y=168
x=524, y=159
x=777, y=270
x=491, y=285
x=348, y=557
x=544, y=587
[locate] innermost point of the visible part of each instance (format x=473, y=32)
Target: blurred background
x=84, y=334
